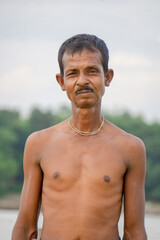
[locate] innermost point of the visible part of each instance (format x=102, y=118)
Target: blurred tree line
x=14, y=131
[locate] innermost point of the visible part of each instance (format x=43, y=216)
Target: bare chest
x=88, y=161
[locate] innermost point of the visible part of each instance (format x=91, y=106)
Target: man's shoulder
x=127, y=139
x=130, y=146
x=46, y=134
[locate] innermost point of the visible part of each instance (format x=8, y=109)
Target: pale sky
x=32, y=31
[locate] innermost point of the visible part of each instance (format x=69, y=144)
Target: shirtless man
x=80, y=169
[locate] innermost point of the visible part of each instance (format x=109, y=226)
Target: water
x=8, y=218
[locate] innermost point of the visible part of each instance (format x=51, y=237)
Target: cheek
x=101, y=87
x=68, y=86
x=69, y=90
x=102, y=91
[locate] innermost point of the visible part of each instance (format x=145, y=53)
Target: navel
x=106, y=178
x=56, y=175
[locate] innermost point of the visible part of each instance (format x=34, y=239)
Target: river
x=8, y=218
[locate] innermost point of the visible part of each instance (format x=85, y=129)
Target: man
x=80, y=169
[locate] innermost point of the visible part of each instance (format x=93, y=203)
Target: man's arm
x=134, y=196
x=26, y=225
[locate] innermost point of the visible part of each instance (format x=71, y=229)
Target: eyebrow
x=86, y=69
x=72, y=70
x=92, y=67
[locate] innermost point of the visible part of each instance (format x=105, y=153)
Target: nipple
x=56, y=175
x=106, y=178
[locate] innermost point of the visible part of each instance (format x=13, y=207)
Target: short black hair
x=81, y=41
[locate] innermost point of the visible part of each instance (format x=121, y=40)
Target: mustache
x=84, y=88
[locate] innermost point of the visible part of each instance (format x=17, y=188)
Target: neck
x=86, y=119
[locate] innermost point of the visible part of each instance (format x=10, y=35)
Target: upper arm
x=31, y=192
x=134, y=195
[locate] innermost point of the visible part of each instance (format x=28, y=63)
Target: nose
x=82, y=80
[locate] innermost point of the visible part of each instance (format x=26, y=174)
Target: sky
x=32, y=31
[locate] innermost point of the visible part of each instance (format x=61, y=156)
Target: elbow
x=24, y=233
x=139, y=234
x=32, y=234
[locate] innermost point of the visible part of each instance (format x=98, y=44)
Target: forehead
x=83, y=58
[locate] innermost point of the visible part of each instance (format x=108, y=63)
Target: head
x=83, y=41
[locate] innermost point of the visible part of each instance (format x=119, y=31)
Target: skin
x=80, y=180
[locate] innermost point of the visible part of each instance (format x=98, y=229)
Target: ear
x=108, y=77
x=60, y=81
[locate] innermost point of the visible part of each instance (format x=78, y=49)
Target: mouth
x=84, y=91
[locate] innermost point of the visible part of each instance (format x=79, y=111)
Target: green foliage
x=39, y=120
x=8, y=169
x=14, y=131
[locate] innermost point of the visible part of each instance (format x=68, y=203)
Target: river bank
x=11, y=201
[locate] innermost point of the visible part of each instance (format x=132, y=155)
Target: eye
x=71, y=74
x=92, y=71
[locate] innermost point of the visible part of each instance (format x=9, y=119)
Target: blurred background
x=31, y=33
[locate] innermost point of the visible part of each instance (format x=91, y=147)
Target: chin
x=86, y=104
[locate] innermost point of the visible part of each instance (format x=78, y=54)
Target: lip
x=87, y=91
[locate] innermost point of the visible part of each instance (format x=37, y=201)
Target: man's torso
x=82, y=185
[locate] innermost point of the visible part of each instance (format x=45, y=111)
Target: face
x=84, y=79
